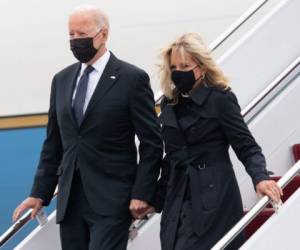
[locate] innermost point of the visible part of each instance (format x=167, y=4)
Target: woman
x=200, y=118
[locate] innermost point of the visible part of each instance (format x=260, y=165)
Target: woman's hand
x=269, y=188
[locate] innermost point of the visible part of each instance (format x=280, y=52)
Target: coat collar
x=168, y=116
x=200, y=94
x=71, y=80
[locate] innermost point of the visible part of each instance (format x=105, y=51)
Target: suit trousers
x=84, y=229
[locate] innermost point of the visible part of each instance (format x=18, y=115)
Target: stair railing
x=21, y=222
x=271, y=88
x=295, y=170
x=260, y=205
x=237, y=24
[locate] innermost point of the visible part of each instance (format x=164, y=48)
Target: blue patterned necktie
x=81, y=94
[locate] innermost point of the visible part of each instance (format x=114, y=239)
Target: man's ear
x=104, y=34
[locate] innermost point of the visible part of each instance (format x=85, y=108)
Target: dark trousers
x=83, y=229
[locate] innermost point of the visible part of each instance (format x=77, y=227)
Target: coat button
x=211, y=185
x=201, y=166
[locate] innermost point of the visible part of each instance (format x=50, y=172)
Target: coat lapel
x=71, y=81
x=169, y=122
x=200, y=94
x=109, y=77
x=168, y=117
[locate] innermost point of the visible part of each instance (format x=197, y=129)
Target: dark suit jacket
x=197, y=134
x=103, y=147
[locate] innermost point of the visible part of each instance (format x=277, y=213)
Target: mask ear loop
x=97, y=33
x=201, y=78
x=96, y=36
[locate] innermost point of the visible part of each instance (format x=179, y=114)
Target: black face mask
x=183, y=80
x=83, y=48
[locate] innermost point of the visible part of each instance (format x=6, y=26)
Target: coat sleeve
x=161, y=191
x=164, y=177
x=147, y=129
x=45, y=179
x=241, y=139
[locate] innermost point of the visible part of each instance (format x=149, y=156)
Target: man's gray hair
x=101, y=18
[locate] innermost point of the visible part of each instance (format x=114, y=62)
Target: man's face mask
x=184, y=80
x=83, y=48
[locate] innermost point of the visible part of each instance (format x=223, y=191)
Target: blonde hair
x=192, y=44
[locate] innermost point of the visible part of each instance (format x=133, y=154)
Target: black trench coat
x=197, y=159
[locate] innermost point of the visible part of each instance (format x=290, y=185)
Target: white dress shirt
x=94, y=78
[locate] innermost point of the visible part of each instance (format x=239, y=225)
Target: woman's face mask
x=185, y=71
x=184, y=80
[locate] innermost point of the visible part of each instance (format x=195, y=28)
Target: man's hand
x=139, y=209
x=269, y=188
x=30, y=202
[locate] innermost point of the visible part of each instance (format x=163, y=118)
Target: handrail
x=260, y=205
x=237, y=24
x=137, y=224
x=282, y=182
x=213, y=46
x=10, y=232
x=274, y=84
x=18, y=225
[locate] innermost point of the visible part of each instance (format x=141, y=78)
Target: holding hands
x=139, y=209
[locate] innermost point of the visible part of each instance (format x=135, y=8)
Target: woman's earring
x=202, y=77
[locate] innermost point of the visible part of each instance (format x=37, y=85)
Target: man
x=97, y=106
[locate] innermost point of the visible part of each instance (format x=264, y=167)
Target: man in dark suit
x=97, y=106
